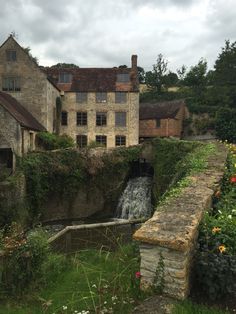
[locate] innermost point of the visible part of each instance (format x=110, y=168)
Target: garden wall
x=169, y=237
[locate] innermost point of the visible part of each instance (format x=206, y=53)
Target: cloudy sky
x=104, y=33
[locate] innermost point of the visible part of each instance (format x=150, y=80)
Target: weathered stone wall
x=37, y=95
x=172, y=231
x=131, y=107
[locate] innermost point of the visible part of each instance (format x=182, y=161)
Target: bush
x=226, y=125
x=50, y=141
x=23, y=257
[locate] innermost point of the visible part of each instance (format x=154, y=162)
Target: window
x=64, y=116
x=123, y=77
x=101, y=97
x=120, y=118
x=101, y=139
x=158, y=123
x=101, y=118
x=81, y=140
x=65, y=77
x=121, y=97
x=120, y=140
x=81, y=97
x=11, y=84
x=81, y=118
x=11, y=55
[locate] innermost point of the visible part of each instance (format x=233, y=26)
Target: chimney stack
x=134, y=62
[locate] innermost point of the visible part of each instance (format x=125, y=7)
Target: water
x=135, y=201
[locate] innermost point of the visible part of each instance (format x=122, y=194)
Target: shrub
x=50, y=141
x=23, y=257
x=226, y=125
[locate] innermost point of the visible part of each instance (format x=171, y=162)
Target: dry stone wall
x=172, y=232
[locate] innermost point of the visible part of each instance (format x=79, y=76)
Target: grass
x=187, y=307
x=95, y=281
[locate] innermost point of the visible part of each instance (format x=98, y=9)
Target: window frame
x=83, y=99
x=15, y=81
x=158, y=123
x=118, y=98
x=101, y=119
x=81, y=140
x=119, y=121
x=102, y=140
x=99, y=98
x=81, y=118
x=64, y=118
x=119, y=139
x=11, y=55
x=123, y=77
x=64, y=80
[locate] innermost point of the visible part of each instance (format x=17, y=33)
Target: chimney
x=134, y=60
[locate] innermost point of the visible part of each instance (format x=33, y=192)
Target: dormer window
x=11, y=55
x=65, y=77
x=123, y=77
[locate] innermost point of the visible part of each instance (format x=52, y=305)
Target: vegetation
x=187, y=307
x=89, y=282
x=51, y=141
x=216, y=259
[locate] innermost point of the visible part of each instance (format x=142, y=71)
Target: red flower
x=138, y=274
x=233, y=179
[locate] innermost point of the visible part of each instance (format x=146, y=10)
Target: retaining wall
x=173, y=230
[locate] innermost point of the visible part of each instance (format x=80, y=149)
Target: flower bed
x=216, y=258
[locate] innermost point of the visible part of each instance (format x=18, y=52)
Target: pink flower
x=138, y=274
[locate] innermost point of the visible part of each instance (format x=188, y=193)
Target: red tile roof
x=19, y=113
x=94, y=79
x=160, y=110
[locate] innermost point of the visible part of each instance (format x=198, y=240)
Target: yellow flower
x=222, y=248
x=216, y=229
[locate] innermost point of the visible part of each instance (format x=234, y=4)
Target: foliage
x=187, y=307
x=50, y=141
x=155, y=78
x=216, y=259
x=141, y=75
x=158, y=283
x=226, y=125
x=64, y=66
x=34, y=59
x=23, y=258
x=96, y=281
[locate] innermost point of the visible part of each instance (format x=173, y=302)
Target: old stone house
x=17, y=130
x=162, y=119
x=99, y=104
x=22, y=78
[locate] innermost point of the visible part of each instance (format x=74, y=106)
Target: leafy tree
x=64, y=65
x=171, y=79
x=181, y=74
x=226, y=124
x=123, y=66
x=141, y=75
x=155, y=79
x=27, y=50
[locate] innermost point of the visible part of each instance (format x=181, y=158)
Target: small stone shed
x=162, y=119
x=17, y=130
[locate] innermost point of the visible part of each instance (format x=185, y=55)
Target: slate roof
x=19, y=113
x=160, y=110
x=93, y=79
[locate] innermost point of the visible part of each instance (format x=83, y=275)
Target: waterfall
x=135, y=201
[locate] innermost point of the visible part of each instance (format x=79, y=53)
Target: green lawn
x=188, y=307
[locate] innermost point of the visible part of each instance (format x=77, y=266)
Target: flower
x=138, y=274
x=64, y=307
x=233, y=179
x=216, y=229
x=222, y=248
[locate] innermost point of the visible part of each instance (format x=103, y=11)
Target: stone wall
x=36, y=94
x=131, y=107
x=173, y=230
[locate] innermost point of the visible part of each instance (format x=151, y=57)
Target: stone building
x=22, y=78
x=17, y=130
x=99, y=104
x=163, y=119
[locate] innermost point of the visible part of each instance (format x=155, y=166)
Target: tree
x=64, y=65
x=181, y=74
x=141, y=75
x=27, y=50
x=155, y=79
x=170, y=79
